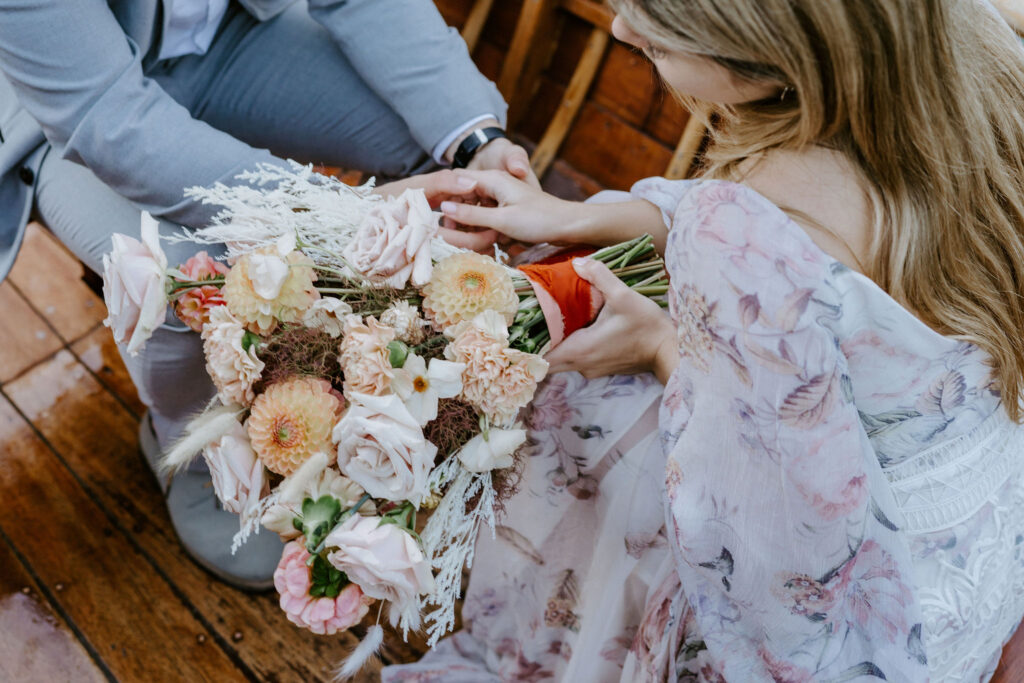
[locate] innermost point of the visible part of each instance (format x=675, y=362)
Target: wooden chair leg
x=686, y=151
x=475, y=23
x=571, y=102
x=525, y=58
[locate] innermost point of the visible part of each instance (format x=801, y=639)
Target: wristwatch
x=472, y=144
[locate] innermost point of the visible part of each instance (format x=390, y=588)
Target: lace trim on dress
x=945, y=485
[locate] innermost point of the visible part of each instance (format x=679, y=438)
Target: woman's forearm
x=607, y=224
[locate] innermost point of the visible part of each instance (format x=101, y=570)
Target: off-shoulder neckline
x=834, y=266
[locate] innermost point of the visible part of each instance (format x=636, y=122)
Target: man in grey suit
x=108, y=108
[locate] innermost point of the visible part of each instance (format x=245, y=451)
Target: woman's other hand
x=631, y=333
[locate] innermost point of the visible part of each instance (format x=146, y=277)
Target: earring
x=785, y=91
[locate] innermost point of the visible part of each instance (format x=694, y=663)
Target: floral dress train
x=825, y=490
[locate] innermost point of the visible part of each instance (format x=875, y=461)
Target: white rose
x=392, y=245
x=493, y=452
x=381, y=448
x=382, y=559
x=267, y=273
x=134, y=275
x=238, y=477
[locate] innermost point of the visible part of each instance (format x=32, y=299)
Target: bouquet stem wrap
x=558, y=302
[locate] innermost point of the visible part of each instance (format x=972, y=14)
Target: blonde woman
x=834, y=491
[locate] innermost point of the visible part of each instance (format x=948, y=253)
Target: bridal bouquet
x=366, y=372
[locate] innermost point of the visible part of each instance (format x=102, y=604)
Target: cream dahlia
x=232, y=367
x=263, y=288
x=291, y=421
x=466, y=284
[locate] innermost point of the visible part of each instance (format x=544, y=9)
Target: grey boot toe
x=206, y=530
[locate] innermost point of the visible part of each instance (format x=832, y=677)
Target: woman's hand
x=631, y=334
x=523, y=212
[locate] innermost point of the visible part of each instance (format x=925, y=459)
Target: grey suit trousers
x=281, y=85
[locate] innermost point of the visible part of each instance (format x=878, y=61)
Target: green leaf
x=249, y=340
x=397, y=353
x=319, y=517
x=326, y=580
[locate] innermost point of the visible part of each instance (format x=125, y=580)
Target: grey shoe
x=205, y=529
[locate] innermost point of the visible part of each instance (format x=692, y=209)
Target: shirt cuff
x=447, y=140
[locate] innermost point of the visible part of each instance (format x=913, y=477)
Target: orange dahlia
x=291, y=421
x=263, y=288
x=466, y=284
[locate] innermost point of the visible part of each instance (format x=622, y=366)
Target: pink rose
x=384, y=559
x=134, y=275
x=325, y=616
x=392, y=246
x=381, y=447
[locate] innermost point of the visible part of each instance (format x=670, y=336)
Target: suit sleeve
x=416, y=63
x=78, y=74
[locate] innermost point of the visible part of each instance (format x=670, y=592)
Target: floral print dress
x=825, y=490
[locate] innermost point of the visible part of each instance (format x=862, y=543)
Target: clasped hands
x=631, y=333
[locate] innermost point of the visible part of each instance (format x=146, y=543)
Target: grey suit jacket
x=71, y=83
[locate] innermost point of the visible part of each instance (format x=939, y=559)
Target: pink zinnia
x=324, y=616
x=193, y=307
x=202, y=267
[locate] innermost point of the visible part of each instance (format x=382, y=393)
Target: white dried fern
x=450, y=537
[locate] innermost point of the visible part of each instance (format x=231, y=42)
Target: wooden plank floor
x=93, y=584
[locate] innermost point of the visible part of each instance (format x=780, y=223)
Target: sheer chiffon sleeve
x=784, y=529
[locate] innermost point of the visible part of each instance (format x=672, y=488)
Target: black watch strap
x=472, y=144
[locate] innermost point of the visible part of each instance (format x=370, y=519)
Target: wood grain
x=98, y=352
x=144, y=633
x=97, y=438
x=25, y=338
x=35, y=643
x=47, y=275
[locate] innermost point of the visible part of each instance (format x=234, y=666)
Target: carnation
x=365, y=358
x=262, y=288
x=466, y=284
x=291, y=421
x=232, y=367
x=497, y=380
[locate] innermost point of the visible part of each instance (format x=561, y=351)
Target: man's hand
x=503, y=155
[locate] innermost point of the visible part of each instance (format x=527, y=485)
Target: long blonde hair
x=926, y=99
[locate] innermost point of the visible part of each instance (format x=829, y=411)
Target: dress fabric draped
x=826, y=489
